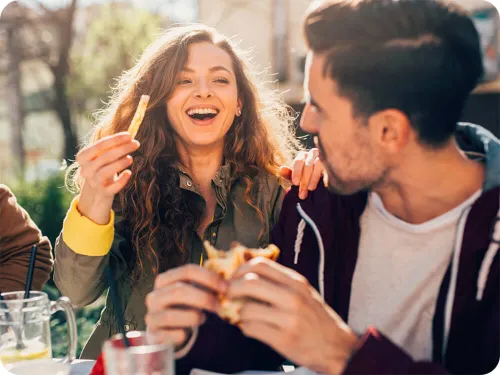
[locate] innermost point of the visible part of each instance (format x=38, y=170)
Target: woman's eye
x=184, y=81
x=221, y=80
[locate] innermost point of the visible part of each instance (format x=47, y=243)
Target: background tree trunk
x=61, y=72
x=62, y=108
x=15, y=100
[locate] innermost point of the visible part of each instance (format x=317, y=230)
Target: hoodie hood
x=476, y=141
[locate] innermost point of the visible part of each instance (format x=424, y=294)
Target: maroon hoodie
x=472, y=344
x=466, y=330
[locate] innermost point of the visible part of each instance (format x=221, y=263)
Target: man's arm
x=376, y=354
x=18, y=233
x=287, y=313
x=284, y=311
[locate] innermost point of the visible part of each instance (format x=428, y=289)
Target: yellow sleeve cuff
x=85, y=237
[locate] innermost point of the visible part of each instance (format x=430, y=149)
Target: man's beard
x=332, y=182
x=337, y=185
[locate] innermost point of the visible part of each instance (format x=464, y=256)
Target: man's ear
x=390, y=129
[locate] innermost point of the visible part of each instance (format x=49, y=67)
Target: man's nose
x=307, y=122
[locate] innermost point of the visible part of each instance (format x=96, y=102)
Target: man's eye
x=314, y=107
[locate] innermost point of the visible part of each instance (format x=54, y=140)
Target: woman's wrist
x=95, y=206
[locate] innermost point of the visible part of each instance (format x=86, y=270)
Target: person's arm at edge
x=18, y=233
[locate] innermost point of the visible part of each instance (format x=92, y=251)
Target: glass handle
x=64, y=304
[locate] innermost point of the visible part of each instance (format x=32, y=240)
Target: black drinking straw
x=31, y=269
x=117, y=305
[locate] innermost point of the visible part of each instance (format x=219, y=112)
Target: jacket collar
x=222, y=178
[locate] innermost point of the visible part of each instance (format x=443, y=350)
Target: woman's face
x=205, y=100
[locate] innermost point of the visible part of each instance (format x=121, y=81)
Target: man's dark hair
x=422, y=57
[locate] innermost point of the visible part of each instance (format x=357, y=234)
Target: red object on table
x=98, y=368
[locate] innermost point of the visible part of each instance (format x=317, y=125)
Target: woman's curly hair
x=161, y=222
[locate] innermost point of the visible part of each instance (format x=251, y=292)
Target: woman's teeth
x=202, y=111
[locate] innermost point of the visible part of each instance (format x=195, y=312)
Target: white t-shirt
x=398, y=273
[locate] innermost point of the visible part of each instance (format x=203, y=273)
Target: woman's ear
x=239, y=108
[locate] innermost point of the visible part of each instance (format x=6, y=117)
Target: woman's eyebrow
x=211, y=70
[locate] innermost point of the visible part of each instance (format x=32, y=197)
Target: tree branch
x=52, y=14
x=66, y=29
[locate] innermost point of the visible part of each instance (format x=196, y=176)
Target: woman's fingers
x=93, y=151
x=91, y=168
x=317, y=175
x=298, y=166
x=107, y=175
x=118, y=183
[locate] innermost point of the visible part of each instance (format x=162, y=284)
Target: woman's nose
x=203, y=91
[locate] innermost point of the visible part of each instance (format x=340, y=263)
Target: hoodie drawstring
x=298, y=241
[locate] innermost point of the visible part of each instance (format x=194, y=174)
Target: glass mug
x=141, y=358
x=25, y=327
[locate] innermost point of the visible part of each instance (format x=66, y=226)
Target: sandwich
x=225, y=263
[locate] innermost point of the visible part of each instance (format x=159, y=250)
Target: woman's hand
x=104, y=168
x=307, y=171
x=178, y=301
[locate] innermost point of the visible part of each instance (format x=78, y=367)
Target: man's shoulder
x=322, y=203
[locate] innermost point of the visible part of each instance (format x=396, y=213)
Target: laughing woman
x=205, y=166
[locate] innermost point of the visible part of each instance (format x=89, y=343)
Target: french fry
x=138, y=116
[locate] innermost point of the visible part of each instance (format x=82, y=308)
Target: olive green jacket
x=81, y=278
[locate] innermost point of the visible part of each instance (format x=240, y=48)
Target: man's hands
x=284, y=311
x=281, y=309
x=178, y=301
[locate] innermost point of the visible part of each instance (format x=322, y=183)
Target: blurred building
x=273, y=29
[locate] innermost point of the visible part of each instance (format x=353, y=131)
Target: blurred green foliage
x=114, y=39
x=46, y=201
x=116, y=36
x=86, y=319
